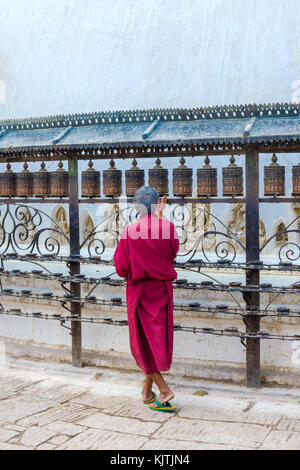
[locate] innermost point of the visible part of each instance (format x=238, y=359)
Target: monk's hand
x=162, y=206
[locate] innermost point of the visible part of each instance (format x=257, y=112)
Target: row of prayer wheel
x=43, y=184
x=159, y=180
x=207, y=180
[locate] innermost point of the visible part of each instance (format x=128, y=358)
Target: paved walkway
x=51, y=406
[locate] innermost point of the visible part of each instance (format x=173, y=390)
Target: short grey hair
x=146, y=200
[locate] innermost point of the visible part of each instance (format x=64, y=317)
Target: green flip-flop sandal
x=161, y=407
x=152, y=399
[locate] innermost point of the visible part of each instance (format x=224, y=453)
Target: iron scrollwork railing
x=31, y=234
x=195, y=226
x=28, y=230
x=200, y=224
x=289, y=251
x=25, y=230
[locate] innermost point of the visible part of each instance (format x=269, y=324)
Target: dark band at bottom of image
x=146, y=458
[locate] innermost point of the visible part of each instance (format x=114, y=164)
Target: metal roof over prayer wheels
x=162, y=132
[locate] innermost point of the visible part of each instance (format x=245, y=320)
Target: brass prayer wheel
x=24, y=183
x=8, y=182
x=41, y=182
x=183, y=180
x=274, y=179
x=159, y=179
x=233, y=179
x=59, y=186
x=135, y=179
x=112, y=181
x=207, y=180
x=90, y=182
x=296, y=180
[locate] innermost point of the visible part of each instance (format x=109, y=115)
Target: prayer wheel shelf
x=44, y=184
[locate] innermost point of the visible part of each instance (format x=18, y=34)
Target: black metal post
x=75, y=287
x=252, y=275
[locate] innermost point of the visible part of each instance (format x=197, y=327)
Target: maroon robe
x=145, y=257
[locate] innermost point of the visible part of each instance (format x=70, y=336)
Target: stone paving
x=56, y=407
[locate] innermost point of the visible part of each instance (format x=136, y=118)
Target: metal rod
x=34, y=201
x=228, y=200
x=191, y=265
x=96, y=281
x=228, y=332
x=182, y=201
x=279, y=200
x=74, y=266
x=221, y=309
x=252, y=275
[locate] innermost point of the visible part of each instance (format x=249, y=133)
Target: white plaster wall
x=202, y=356
x=68, y=56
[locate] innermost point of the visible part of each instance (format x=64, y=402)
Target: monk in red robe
x=145, y=257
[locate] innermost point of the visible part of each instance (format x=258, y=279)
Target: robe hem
x=156, y=371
